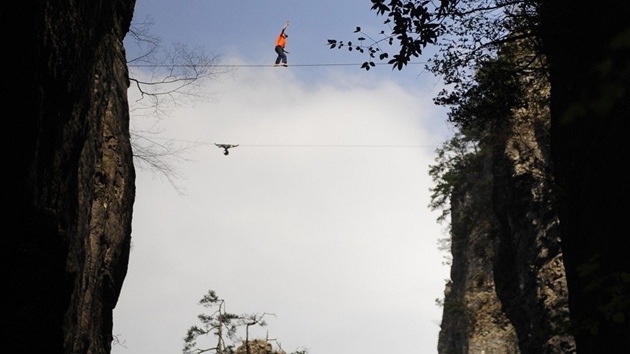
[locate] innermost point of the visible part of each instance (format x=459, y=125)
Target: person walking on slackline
x=280, y=43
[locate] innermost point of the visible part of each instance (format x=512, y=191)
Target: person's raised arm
x=285, y=26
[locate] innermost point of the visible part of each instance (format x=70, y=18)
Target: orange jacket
x=281, y=41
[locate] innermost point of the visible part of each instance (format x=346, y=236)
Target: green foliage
x=456, y=308
x=490, y=98
x=462, y=174
x=462, y=185
x=224, y=326
x=498, y=89
x=452, y=161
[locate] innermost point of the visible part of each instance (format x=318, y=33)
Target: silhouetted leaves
x=381, y=8
x=469, y=29
x=367, y=65
x=414, y=26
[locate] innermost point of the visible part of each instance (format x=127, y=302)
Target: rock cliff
x=528, y=266
x=508, y=290
x=69, y=184
x=257, y=346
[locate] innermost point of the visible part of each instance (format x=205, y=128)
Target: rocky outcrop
x=529, y=273
x=69, y=186
x=508, y=290
x=257, y=346
x=473, y=320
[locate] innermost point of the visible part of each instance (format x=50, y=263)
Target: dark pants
x=281, y=56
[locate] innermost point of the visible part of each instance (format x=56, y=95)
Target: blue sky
x=319, y=216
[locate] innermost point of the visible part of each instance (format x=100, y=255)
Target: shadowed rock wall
x=508, y=290
x=68, y=188
x=590, y=106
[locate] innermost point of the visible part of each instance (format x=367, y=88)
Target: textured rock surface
x=257, y=346
x=69, y=191
x=529, y=273
x=589, y=75
x=473, y=320
x=508, y=291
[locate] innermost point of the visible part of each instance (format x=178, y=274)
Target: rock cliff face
x=508, y=290
x=69, y=186
x=529, y=273
x=473, y=320
x=589, y=80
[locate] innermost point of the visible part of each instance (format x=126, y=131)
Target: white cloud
x=335, y=238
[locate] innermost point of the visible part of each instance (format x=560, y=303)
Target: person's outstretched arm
x=285, y=26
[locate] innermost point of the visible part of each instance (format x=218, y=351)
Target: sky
x=319, y=217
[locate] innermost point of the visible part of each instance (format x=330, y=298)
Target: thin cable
x=198, y=143
x=341, y=146
x=254, y=65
